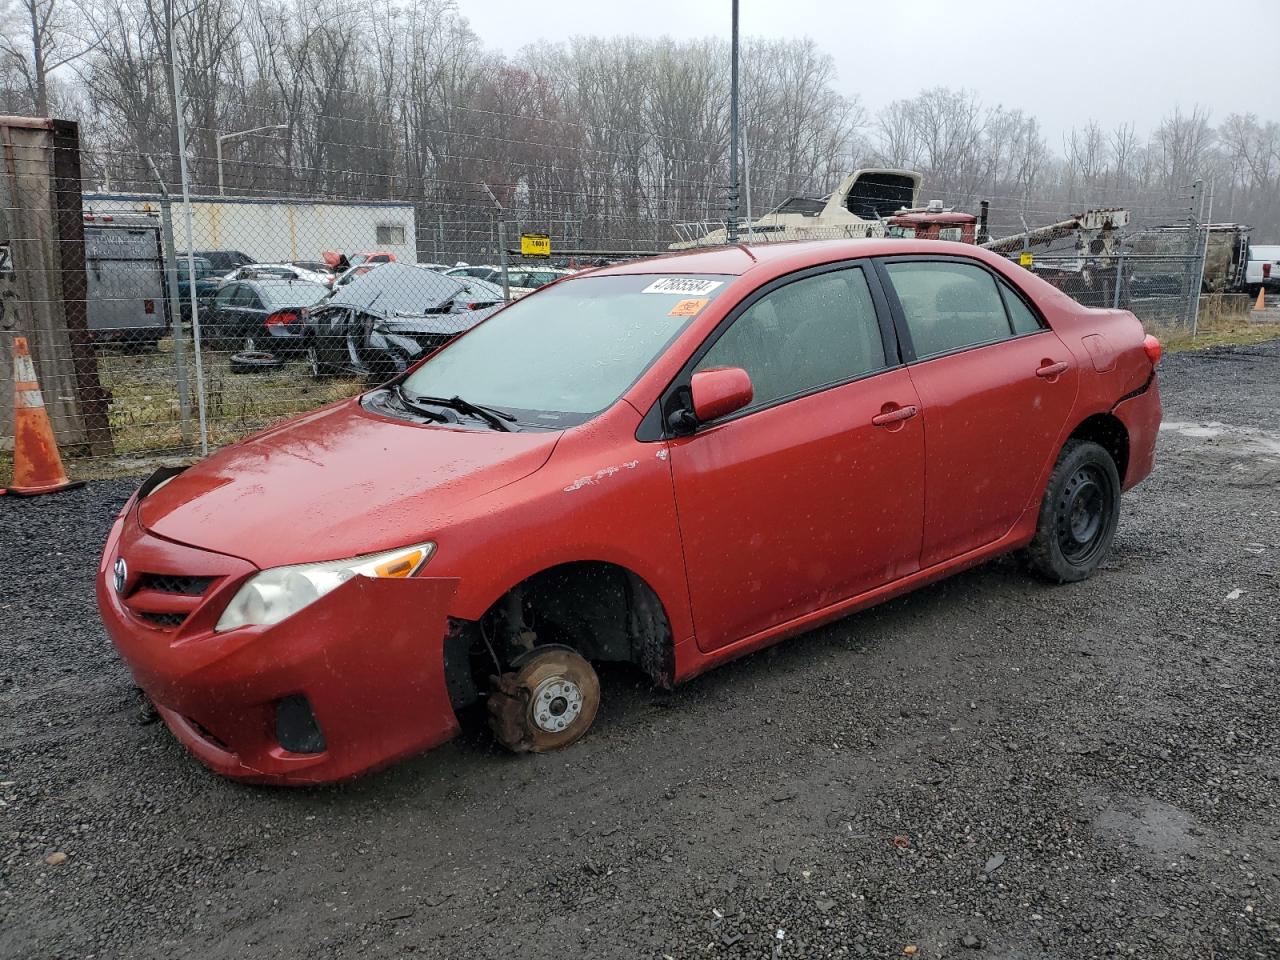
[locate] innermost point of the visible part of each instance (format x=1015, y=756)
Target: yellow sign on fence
x=535, y=245
x=1025, y=259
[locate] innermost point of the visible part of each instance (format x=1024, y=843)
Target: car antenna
x=747, y=250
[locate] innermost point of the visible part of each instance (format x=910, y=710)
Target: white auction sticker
x=683, y=286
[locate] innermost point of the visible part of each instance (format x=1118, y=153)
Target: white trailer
x=272, y=230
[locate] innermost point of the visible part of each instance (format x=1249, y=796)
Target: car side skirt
x=690, y=661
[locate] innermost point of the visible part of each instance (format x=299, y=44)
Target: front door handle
x=896, y=415
x=1051, y=370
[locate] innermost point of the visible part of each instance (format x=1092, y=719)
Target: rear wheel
x=1078, y=517
x=547, y=703
x=318, y=370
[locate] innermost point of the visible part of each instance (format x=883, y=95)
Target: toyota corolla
x=670, y=463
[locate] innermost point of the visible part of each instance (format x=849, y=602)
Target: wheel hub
x=1082, y=516
x=556, y=703
x=548, y=702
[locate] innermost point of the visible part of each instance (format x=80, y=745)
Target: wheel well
x=601, y=610
x=1109, y=433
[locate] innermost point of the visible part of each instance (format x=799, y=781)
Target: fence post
x=175, y=306
x=1188, y=271
x=180, y=121
x=1119, y=279
x=1204, y=257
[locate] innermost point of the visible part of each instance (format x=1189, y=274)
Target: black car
x=224, y=261
x=262, y=315
x=382, y=322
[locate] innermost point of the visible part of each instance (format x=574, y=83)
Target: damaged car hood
x=399, y=288
x=341, y=481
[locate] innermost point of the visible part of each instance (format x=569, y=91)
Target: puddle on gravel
x=1240, y=456
x=1260, y=441
x=1159, y=828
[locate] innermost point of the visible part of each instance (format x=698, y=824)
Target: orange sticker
x=688, y=308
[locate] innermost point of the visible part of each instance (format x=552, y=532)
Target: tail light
x=1153, y=349
x=148, y=306
x=282, y=318
x=1266, y=271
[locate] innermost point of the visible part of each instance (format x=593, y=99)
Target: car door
x=996, y=386
x=812, y=493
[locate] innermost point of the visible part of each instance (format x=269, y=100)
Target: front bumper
x=368, y=658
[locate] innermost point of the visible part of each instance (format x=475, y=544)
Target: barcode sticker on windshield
x=683, y=286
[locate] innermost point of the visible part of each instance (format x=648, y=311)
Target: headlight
x=272, y=595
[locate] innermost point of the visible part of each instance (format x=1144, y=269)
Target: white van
x=1254, y=274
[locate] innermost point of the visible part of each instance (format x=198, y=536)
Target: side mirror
x=718, y=393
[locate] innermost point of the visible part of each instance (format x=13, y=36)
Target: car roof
x=278, y=282
x=787, y=255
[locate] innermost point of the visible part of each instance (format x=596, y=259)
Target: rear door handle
x=894, y=416
x=1052, y=369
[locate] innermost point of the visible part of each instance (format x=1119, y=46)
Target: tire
x=1078, y=516
x=257, y=362
x=319, y=371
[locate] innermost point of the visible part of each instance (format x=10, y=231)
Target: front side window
x=561, y=357
x=803, y=336
x=948, y=306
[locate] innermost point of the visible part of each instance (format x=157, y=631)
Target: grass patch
x=1225, y=320
x=148, y=426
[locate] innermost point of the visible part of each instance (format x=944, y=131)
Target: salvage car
x=264, y=315
x=279, y=271
x=381, y=323
x=669, y=463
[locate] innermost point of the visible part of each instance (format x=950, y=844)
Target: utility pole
x=733, y=131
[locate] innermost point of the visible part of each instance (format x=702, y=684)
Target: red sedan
x=672, y=462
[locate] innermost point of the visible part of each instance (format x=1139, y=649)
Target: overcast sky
x=1066, y=62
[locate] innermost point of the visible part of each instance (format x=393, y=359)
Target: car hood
x=394, y=288
x=336, y=483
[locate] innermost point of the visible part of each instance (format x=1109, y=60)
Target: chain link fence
x=169, y=319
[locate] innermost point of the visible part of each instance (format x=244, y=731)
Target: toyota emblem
x=121, y=574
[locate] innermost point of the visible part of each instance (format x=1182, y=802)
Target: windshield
x=564, y=354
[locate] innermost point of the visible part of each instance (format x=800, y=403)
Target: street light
x=232, y=136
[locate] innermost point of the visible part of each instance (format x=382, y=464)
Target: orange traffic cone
x=1261, y=303
x=37, y=467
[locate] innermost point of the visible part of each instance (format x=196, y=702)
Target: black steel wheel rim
x=1084, y=511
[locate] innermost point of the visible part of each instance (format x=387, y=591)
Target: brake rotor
x=547, y=703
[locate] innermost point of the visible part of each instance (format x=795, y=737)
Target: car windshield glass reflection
x=566, y=354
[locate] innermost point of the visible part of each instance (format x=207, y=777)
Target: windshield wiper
x=408, y=402
x=490, y=415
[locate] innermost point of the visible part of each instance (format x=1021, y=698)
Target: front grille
x=167, y=620
x=170, y=583
x=165, y=600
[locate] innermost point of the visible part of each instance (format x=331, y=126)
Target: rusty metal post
x=68, y=213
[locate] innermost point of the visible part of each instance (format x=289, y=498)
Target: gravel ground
x=989, y=767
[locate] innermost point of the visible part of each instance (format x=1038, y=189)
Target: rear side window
x=1020, y=316
x=806, y=335
x=948, y=306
